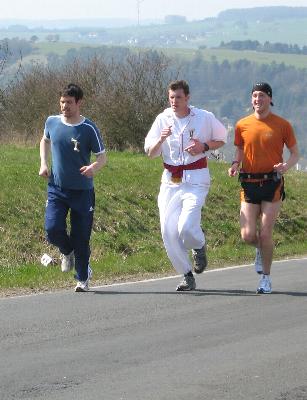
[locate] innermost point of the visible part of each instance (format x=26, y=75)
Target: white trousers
x=180, y=216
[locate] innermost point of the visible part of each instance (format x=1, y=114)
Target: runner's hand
x=196, y=147
x=44, y=171
x=87, y=170
x=280, y=167
x=165, y=133
x=233, y=170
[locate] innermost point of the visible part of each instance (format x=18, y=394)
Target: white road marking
x=151, y=280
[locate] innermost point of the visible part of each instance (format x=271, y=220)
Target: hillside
x=263, y=13
x=220, y=55
x=126, y=238
x=282, y=24
x=218, y=83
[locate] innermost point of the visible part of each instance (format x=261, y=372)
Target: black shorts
x=269, y=190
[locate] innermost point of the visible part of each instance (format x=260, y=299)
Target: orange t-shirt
x=263, y=141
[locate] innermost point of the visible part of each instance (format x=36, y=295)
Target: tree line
x=282, y=48
x=124, y=93
x=225, y=88
x=266, y=13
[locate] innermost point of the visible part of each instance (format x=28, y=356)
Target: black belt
x=275, y=176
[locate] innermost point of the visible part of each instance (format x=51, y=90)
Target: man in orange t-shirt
x=260, y=139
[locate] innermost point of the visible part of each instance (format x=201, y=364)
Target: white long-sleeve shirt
x=199, y=124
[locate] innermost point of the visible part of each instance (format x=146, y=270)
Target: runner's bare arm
x=44, y=151
x=90, y=170
x=155, y=149
x=292, y=160
x=235, y=165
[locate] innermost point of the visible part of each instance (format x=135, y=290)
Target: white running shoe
x=68, y=262
x=258, y=261
x=265, y=285
x=83, y=286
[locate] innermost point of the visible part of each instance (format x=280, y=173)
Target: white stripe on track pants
x=180, y=216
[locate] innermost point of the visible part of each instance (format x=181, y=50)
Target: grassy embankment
x=126, y=238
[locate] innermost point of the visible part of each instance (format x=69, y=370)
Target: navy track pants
x=80, y=204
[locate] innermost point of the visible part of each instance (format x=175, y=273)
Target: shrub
x=122, y=97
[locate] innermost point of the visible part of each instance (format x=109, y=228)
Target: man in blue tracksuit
x=71, y=139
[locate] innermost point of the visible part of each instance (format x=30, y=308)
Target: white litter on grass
x=46, y=260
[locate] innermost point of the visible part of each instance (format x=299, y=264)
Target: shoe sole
x=261, y=291
x=90, y=274
x=179, y=289
x=80, y=290
x=199, y=270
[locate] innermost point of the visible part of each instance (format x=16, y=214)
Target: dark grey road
x=144, y=341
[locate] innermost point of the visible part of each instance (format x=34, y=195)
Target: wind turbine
x=138, y=4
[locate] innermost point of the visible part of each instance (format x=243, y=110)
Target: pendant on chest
x=191, y=133
x=76, y=144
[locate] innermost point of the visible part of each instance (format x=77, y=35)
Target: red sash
x=177, y=170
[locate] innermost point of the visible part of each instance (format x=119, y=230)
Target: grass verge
x=126, y=242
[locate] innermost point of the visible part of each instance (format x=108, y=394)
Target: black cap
x=263, y=87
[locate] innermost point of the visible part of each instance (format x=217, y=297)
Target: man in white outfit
x=183, y=135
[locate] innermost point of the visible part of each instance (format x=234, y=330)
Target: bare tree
x=134, y=92
x=121, y=97
x=4, y=81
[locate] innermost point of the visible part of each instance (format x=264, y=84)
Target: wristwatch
x=206, y=147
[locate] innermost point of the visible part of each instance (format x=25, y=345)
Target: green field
x=59, y=48
x=220, y=55
x=126, y=241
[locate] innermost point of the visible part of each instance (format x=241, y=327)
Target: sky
x=128, y=9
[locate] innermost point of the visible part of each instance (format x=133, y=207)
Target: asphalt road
x=144, y=341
